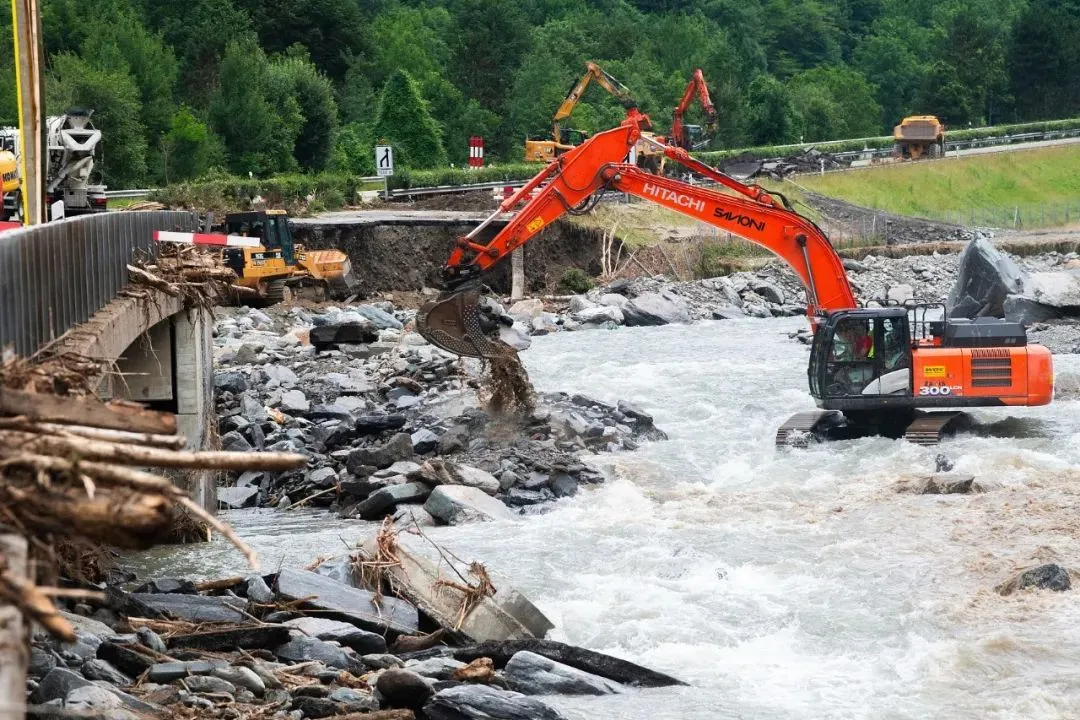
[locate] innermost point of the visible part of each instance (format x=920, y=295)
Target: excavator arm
x=453, y=321
x=606, y=81
x=697, y=87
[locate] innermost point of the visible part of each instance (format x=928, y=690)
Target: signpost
x=476, y=151
x=384, y=166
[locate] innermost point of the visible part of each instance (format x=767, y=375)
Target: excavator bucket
x=453, y=323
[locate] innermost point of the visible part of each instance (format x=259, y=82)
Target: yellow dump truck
x=918, y=137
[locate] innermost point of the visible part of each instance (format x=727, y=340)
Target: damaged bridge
x=65, y=292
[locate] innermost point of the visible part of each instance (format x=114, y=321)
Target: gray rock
x=323, y=477
x=424, y=441
x=282, y=374
x=727, y=312
x=1026, y=311
x=614, y=300
x=653, y=309
x=1044, y=577
x=900, y=294
x=633, y=411
x=607, y=313
x=407, y=516
x=534, y=674
x=209, y=684
x=363, y=642
x=456, y=504
x=95, y=669
x=251, y=477
x=242, y=677
x=91, y=699
x=987, y=276
x=355, y=701
x=258, y=591
x=521, y=497
x=483, y=702
x=382, y=661
x=56, y=685
x=1056, y=289
x=475, y=477
x=168, y=671
x=437, y=668
x=768, y=291
x=563, y=485
x=294, y=402
x=252, y=409
x=948, y=484
x=578, y=303
x=41, y=662
x=526, y=310
x=400, y=447
x=403, y=688
x=193, y=608
x=380, y=502
x=232, y=382
x=516, y=337
x=382, y=320
x=302, y=648
x=357, y=606
x=237, y=497
x=233, y=441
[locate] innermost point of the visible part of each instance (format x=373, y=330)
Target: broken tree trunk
x=116, y=415
x=13, y=645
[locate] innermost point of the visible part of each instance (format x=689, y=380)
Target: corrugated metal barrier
x=56, y=275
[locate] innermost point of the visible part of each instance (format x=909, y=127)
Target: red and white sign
x=205, y=239
x=476, y=151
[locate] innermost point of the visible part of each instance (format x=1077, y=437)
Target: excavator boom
x=606, y=81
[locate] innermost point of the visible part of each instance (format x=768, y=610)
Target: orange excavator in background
x=692, y=137
x=872, y=371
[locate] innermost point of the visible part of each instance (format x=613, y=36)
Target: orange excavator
x=692, y=137
x=888, y=371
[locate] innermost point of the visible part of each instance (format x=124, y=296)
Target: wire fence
x=1018, y=216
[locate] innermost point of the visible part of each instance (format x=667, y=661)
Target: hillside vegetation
x=268, y=87
x=990, y=189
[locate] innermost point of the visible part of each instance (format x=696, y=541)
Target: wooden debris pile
x=194, y=274
x=76, y=470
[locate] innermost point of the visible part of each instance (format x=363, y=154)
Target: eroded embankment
x=409, y=257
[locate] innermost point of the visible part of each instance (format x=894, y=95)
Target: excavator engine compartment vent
x=983, y=332
x=991, y=368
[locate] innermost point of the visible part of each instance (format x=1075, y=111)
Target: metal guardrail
x=441, y=189
x=56, y=275
x=121, y=194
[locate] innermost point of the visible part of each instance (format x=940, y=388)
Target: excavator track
x=929, y=428
x=276, y=292
x=805, y=427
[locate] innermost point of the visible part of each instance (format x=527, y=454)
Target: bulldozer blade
x=452, y=323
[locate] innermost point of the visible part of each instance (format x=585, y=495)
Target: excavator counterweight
x=871, y=371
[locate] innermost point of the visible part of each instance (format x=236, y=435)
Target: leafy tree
x=190, y=147
x=403, y=120
x=835, y=103
x=889, y=64
x=354, y=150
x=489, y=41
x=771, y=118
x=314, y=97
x=113, y=96
x=1044, y=59
x=241, y=113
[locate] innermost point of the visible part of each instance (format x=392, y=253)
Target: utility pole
x=26, y=23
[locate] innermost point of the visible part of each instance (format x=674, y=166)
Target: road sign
x=476, y=151
x=384, y=160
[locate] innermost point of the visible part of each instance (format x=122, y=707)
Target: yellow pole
x=19, y=100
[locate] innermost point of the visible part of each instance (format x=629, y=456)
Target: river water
x=779, y=584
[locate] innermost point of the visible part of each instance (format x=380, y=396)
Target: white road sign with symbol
x=384, y=160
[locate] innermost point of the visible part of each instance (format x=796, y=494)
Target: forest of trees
x=181, y=89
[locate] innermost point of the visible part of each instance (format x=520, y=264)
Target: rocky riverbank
x=388, y=420
x=379, y=634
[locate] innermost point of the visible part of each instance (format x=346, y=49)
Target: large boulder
x=1025, y=311
x=455, y=504
x=654, y=309
x=1056, y=289
x=605, y=313
x=483, y=702
x=984, y=278
x=534, y=674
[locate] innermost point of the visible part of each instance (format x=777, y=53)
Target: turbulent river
x=783, y=585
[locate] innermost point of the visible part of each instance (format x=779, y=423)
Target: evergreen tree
x=403, y=121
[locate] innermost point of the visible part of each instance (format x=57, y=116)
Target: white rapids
x=779, y=584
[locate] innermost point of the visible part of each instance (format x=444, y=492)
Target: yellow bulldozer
x=918, y=137
x=278, y=269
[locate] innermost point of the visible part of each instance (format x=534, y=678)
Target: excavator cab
x=271, y=227
x=862, y=358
